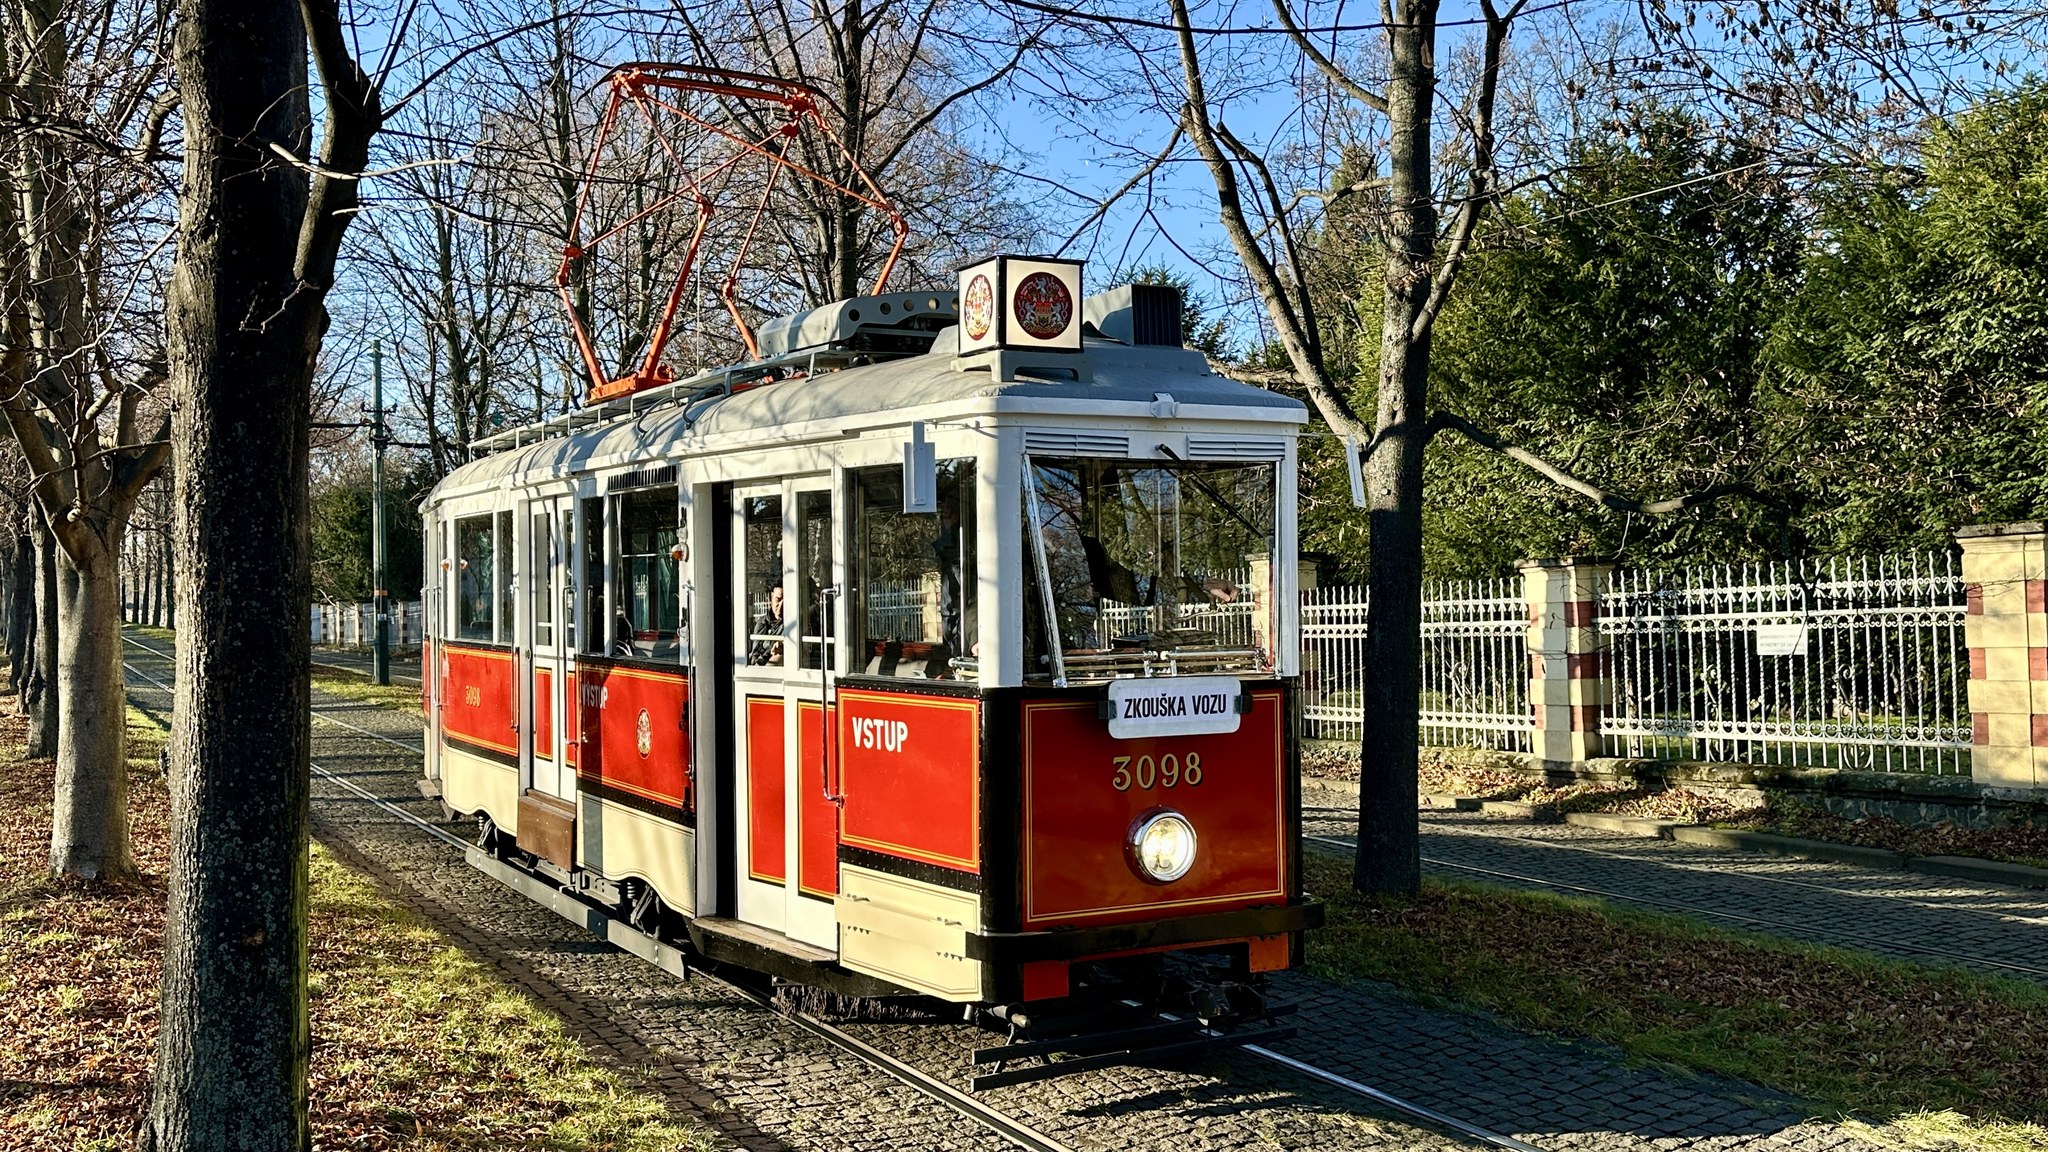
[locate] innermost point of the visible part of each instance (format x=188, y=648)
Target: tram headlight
x=1162, y=846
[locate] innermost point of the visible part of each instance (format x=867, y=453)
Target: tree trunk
x=39, y=700
x=1389, y=845
x=233, y=1038
x=159, y=578
x=89, y=832
x=21, y=625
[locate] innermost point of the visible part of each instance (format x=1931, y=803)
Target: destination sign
x=1173, y=706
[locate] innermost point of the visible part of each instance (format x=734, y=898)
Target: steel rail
x=1761, y=878
x=410, y=680
x=317, y=714
x=1463, y=1128
x=1779, y=928
x=1008, y=1127
x=946, y=1094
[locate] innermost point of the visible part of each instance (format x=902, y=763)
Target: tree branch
x=1451, y=422
x=1484, y=172
x=1138, y=178
x=1304, y=302
x=1324, y=64
x=352, y=116
x=1336, y=410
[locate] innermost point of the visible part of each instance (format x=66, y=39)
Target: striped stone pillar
x=1568, y=682
x=2005, y=576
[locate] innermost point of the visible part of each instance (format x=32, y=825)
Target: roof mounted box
x=1021, y=316
x=1021, y=302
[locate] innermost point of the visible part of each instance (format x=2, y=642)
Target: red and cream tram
x=944, y=649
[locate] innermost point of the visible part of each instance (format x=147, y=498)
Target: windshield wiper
x=1221, y=500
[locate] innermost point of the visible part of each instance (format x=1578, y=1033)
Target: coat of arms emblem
x=645, y=733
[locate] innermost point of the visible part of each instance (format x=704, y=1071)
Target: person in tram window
x=767, y=632
x=946, y=546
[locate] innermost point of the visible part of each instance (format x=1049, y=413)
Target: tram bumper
x=1079, y=943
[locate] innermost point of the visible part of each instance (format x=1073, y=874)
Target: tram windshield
x=1147, y=568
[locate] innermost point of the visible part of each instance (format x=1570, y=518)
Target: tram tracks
x=1775, y=927
x=1008, y=1127
x=667, y=957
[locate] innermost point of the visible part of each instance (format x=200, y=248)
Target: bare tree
x=892, y=72
x=81, y=163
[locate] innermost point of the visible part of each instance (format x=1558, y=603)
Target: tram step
x=763, y=938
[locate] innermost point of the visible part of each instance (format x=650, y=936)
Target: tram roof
x=892, y=392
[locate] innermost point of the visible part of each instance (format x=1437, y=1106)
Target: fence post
x=2005, y=577
x=1569, y=688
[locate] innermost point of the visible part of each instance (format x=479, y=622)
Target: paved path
x=1987, y=927
x=765, y=1084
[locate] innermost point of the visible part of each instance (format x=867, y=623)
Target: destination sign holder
x=1142, y=707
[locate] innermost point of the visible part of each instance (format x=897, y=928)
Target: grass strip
x=1912, y=1047
x=416, y=1044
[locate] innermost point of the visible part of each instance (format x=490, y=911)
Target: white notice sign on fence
x=1781, y=639
x=1172, y=706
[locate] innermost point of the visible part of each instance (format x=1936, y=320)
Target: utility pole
x=380, y=596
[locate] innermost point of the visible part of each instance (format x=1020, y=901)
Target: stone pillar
x=1568, y=676
x=2005, y=576
x=1264, y=624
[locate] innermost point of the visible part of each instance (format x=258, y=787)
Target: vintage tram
x=948, y=648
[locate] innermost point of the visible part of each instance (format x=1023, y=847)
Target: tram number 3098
x=1167, y=771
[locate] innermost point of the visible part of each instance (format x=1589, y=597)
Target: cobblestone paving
x=1932, y=919
x=763, y=1083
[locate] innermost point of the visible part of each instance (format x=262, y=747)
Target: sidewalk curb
x=1516, y=810
x=1883, y=858
x=1645, y=826
x=1956, y=867
x=1985, y=871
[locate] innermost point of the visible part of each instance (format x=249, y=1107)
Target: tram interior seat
x=910, y=659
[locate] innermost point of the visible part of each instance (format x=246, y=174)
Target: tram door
x=788, y=834
x=550, y=528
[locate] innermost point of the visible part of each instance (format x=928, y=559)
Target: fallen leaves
x=415, y=1044
x=1855, y=1033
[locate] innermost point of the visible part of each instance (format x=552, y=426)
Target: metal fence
x=1475, y=664
x=1827, y=663
x=354, y=625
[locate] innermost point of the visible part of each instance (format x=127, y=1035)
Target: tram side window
x=914, y=604
x=814, y=575
x=506, y=579
x=594, y=630
x=647, y=616
x=766, y=602
x=541, y=542
x=475, y=558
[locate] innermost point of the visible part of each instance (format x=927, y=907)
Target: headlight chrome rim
x=1161, y=821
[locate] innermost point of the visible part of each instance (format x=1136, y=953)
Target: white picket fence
x=1869, y=670
x=354, y=625
x=1864, y=667
x=1475, y=664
